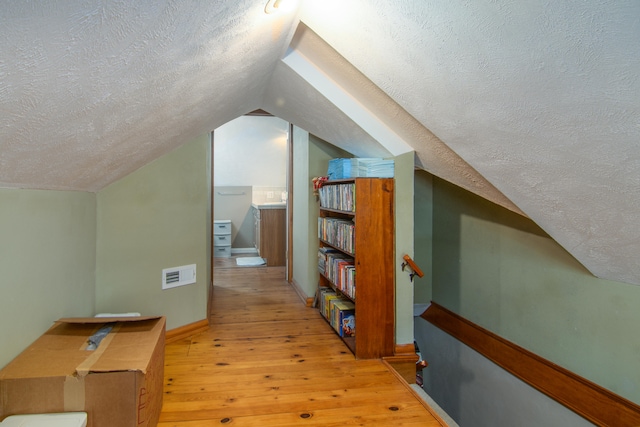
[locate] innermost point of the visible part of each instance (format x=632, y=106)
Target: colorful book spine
x=339, y=269
x=337, y=232
x=340, y=310
x=338, y=197
x=344, y=318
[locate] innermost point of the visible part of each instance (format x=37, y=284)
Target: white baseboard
x=235, y=251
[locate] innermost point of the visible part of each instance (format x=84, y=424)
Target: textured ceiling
x=92, y=90
x=533, y=105
x=541, y=98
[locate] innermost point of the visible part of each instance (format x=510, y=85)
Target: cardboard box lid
x=61, y=351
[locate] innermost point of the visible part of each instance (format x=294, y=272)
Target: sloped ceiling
x=533, y=105
x=92, y=90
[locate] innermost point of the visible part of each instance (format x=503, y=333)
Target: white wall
x=251, y=150
x=249, y=165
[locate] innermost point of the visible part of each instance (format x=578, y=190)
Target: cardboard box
x=118, y=385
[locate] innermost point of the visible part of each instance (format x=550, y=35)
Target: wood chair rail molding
x=587, y=399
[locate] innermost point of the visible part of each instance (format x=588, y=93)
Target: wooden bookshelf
x=373, y=257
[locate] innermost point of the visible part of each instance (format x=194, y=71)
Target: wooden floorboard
x=268, y=360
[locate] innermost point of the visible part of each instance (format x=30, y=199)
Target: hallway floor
x=267, y=360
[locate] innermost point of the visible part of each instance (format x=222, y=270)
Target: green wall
x=48, y=261
x=301, y=204
x=155, y=218
x=311, y=157
x=72, y=254
x=423, y=235
x=404, y=230
x=501, y=271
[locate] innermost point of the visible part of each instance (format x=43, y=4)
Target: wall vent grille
x=178, y=276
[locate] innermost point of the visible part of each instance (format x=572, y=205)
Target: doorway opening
x=251, y=191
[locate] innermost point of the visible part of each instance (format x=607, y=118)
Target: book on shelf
x=344, y=318
x=323, y=258
x=339, y=269
x=348, y=319
x=332, y=312
x=322, y=292
x=343, y=273
x=337, y=232
x=349, y=282
x=341, y=316
x=339, y=197
x=326, y=306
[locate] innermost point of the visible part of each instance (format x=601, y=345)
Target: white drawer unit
x=222, y=251
x=222, y=238
x=222, y=226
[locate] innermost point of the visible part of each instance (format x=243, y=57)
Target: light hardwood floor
x=267, y=360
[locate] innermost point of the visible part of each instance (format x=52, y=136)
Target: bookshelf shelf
x=325, y=243
x=346, y=214
x=356, y=251
x=338, y=290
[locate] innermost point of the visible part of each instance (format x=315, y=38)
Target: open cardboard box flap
x=95, y=320
x=62, y=350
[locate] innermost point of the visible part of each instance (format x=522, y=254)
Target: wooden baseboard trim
x=587, y=399
x=404, y=361
x=405, y=349
x=186, y=331
x=308, y=301
x=403, y=353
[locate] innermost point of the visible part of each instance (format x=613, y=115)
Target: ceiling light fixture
x=272, y=6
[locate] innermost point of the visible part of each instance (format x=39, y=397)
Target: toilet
x=65, y=419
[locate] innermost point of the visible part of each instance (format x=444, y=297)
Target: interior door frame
x=211, y=217
x=289, y=221
x=289, y=257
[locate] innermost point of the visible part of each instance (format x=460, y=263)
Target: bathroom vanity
x=269, y=221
